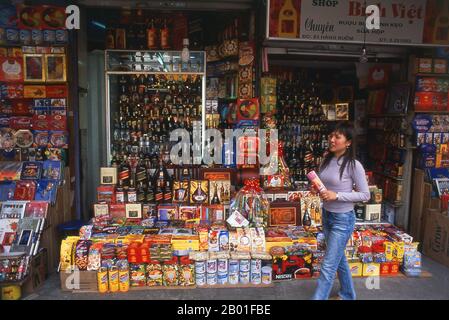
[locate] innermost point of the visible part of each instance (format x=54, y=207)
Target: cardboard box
x=87, y=281
x=356, y=268
x=436, y=241
x=38, y=272
x=373, y=212
x=385, y=268
x=371, y=269
x=108, y=176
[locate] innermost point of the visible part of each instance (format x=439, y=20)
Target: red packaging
x=57, y=91
x=57, y=122
x=385, y=268
x=18, y=123
x=444, y=201
x=13, y=91
x=248, y=109
x=53, y=17
x=394, y=268
x=430, y=101
x=117, y=210
x=41, y=122
x=34, y=91
x=25, y=190
x=379, y=76
x=21, y=107
x=106, y=194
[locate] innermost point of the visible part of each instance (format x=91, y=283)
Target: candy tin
x=7, y=139
x=59, y=139
x=24, y=138
x=41, y=138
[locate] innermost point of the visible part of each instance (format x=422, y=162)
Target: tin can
x=49, y=36
x=123, y=276
x=200, y=279
x=256, y=265
x=233, y=278
x=25, y=37
x=244, y=265
x=234, y=266
x=102, y=278
x=266, y=275
x=222, y=278
x=211, y=266
x=212, y=279
x=244, y=277
x=256, y=277
x=222, y=265
x=37, y=37
x=200, y=266
x=113, y=279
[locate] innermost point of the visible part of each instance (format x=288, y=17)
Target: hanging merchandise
x=252, y=203
x=281, y=179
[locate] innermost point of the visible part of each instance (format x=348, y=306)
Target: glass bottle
x=215, y=199
x=306, y=220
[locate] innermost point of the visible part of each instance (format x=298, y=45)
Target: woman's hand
x=328, y=195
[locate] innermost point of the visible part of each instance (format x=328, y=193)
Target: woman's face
x=338, y=142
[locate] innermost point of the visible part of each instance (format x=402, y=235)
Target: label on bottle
x=159, y=196
x=120, y=197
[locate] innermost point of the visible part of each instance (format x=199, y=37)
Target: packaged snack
x=154, y=274
x=137, y=275
x=170, y=273
x=67, y=248
x=82, y=254
x=94, y=260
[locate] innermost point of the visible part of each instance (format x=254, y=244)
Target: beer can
x=233, y=278
x=123, y=280
x=113, y=279
x=266, y=275
x=102, y=278
x=211, y=266
x=256, y=277
x=200, y=266
x=212, y=279
x=244, y=277
x=256, y=265
x=233, y=266
x=244, y=265
x=222, y=265
x=222, y=278
x=200, y=279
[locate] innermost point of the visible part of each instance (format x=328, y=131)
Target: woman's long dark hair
x=349, y=156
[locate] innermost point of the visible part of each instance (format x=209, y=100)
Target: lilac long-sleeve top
x=352, y=188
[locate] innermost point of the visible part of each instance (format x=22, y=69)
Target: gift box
x=371, y=269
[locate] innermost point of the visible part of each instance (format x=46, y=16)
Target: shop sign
x=402, y=22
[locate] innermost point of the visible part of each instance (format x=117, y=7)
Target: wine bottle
x=132, y=192
x=141, y=193
x=306, y=220
x=120, y=194
x=159, y=192
x=215, y=199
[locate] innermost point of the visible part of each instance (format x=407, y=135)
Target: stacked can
x=113, y=279
x=244, y=275
x=102, y=277
x=211, y=268
x=233, y=271
x=266, y=274
x=222, y=268
x=200, y=273
x=256, y=271
x=123, y=279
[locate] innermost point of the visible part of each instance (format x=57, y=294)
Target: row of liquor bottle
x=138, y=183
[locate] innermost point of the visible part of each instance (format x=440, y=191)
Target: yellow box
x=371, y=269
x=356, y=268
x=398, y=250
x=283, y=244
x=388, y=250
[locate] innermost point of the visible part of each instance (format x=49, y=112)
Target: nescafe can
x=256, y=277
x=200, y=279
x=222, y=278
x=244, y=265
x=234, y=266
x=244, y=277
x=222, y=265
x=256, y=265
x=200, y=266
x=211, y=266
x=212, y=279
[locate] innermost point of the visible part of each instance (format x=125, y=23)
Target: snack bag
x=82, y=254
x=94, y=260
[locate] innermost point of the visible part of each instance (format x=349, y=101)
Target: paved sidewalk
x=433, y=288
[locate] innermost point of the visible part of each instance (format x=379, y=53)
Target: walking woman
x=345, y=181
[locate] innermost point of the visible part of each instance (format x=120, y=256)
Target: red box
x=385, y=268
x=57, y=91
x=117, y=210
x=106, y=194
x=394, y=267
x=430, y=101
x=18, y=123
x=444, y=201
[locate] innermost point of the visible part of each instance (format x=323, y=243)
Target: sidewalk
x=433, y=288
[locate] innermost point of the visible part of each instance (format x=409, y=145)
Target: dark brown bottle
x=215, y=199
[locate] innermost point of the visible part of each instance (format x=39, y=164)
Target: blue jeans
x=337, y=228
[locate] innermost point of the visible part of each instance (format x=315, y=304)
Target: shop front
x=180, y=153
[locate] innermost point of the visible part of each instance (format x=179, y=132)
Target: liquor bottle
x=141, y=172
x=159, y=192
x=124, y=173
x=132, y=193
x=199, y=196
x=150, y=193
x=110, y=39
x=165, y=35
x=306, y=220
x=167, y=193
x=215, y=199
x=151, y=36
x=120, y=193
x=141, y=193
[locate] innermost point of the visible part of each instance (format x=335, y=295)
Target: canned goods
x=37, y=37
x=212, y=279
x=244, y=277
x=211, y=266
x=233, y=278
x=12, y=35
x=256, y=277
x=256, y=265
x=222, y=278
x=200, y=279
x=266, y=275
x=113, y=279
x=222, y=265
x=200, y=266
x=233, y=266
x=102, y=278
x=49, y=36
x=123, y=276
x=244, y=265
x=25, y=37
